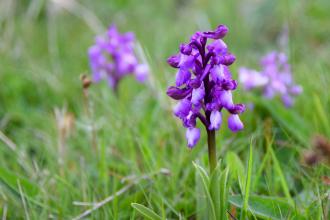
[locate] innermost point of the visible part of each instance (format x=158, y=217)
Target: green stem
x=212, y=150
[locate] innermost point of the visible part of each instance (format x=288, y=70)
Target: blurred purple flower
x=275, y=78
x=112, y=57
x=204, y=84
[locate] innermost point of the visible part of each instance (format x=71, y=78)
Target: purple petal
x=217, y=46
x=218, y=73
x=237, y=109
x=198, y=94
x=174, y=60
x=126, y=63
x=195, y=83
x=196, y=36
x=185, y=49
x=112, y=30
x=287, y=100
x=215, y=120
x=101, y=42
x=190, y=120
x=227, y=59
x=182, y=76
x=285, y=77
x=226, y=99
x=269, y=92
x=112, y=82
x=251, y=78
x=220, y=32
x=177, y=93
x=269, y=58
x=128, y=37
x=94, y=52
x=212, y=106
x=279, y=86
x=141, y=72
x=296, y=90
x=97, y=76
x=192, y=136
x=234, y=123
x=229, y=84
x=186, y=61
x=182, y=109
x=282, y=58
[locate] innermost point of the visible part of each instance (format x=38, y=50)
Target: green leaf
x=314, y=210
x=215, y=190
x=247, y=183
x=9, y=179
x=236, y=168
x=267, y=207
x=30, y=189
x=224, y=193
x=203, y=177
x=278, y=170
x=219, y=191
x=146, y=212
x=261, y=167
x=291, y=121
x=201, y=201
x=323, y=119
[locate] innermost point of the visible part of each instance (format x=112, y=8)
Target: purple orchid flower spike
x=204, y=86
x=112, y=57
x=274, y=79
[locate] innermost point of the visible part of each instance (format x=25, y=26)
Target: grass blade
x=146, y=212
x=10, y=179
x=215, y=190
x=236, y=168
x=292, y=122
x=322, y=115
x=247, y=184
x=223, y=193
x=279, y=172
x=205, y=184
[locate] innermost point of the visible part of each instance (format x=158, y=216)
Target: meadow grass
x=62, y=153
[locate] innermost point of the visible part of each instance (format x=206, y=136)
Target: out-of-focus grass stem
x=86, y=83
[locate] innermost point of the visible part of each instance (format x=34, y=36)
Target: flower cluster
x=112, y=57
x=204, y=84
x=274, y=79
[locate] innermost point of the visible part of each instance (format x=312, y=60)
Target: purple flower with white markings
x=112, y=57
x=204, y=85
x=274, y=79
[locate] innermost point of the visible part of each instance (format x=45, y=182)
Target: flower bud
x=174, y=61
x=220, y=32
x=227, y=59
x=177, y=93
x=185, y=49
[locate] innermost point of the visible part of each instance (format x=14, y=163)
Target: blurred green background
x=43, y=51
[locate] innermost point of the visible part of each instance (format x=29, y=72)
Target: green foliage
x=266, y=207
x=212, y=193
x=237, y=169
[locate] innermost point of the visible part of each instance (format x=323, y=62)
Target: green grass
x=141, y=147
